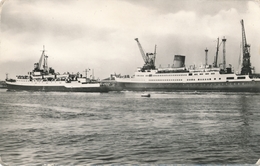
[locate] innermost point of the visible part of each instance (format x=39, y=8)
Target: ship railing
x=172, y=71
x=23, y=80
x=206, y=70
x=22, y=77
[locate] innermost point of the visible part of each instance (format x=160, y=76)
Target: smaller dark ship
x=44, y=78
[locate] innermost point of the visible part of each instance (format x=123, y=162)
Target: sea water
x=40, y=128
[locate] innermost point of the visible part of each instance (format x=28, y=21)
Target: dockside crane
x=246, y=65
x=149, y=58
x=216, y=57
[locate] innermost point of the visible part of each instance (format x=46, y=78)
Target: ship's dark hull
x=247, y=86
x=14, y=87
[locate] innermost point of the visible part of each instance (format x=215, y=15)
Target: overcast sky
x=99, y=34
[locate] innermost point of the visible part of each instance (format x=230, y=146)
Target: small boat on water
x=43, y=78
x=145, y=95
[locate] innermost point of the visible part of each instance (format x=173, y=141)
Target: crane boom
x=246, y=65
x=142, y=51
x=149, y=58
x=216, y=58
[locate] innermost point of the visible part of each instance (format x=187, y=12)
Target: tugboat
x=43, y=78
x=182, y=78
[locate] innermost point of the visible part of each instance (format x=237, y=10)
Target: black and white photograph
x=129, y=82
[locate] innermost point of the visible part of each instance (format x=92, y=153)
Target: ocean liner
x=180, y=78
x=44, y=78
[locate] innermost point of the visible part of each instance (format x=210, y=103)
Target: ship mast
x=246, y=65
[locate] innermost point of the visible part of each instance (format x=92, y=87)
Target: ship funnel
x=179, y=61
